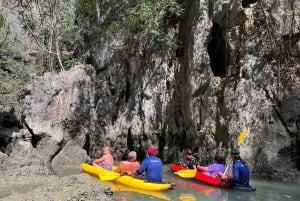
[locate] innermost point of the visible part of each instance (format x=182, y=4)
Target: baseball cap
x=189, y=152
x=152, y=150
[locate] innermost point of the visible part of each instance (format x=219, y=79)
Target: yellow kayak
x=93, y=170
x=120, y=187
x=125, y=179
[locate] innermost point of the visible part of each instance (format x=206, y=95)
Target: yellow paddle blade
x=108, y=176
x=187, y=197
x=242, y=137
x=186, y=173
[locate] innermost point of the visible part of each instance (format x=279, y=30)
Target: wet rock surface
x=36, y=183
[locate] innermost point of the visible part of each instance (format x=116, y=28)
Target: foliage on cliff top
x=51, y=23
x=146, y=20
x=137, y=21
x=13, y=72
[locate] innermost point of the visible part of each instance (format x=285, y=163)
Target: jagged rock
x=46, y=186
x=72, y=154
x=134, y=97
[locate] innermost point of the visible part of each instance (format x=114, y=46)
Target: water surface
x=191, y=190
x=186, y=190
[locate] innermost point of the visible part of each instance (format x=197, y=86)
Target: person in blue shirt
x=240, y=172
x=152, y=166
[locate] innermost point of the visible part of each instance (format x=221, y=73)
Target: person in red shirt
x=106, y=161
x=130, y=166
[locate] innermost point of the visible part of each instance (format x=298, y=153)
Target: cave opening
x=246, y=3
x=35, y=139
x=218, y=51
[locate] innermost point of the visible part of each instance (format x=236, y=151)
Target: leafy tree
x=52, y=25
x=137, y=22
x=13, y=73
x=147, y=20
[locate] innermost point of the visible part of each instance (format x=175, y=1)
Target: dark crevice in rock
x=61, y=146
x=87, y=145
x=100, y=70
x=246, y=3
x=179, y=52
x=161, y=144
x=129, y=140
x=127, y=92
x=221, y=134
x=296, y=151
x=140, y=150
x=34, y=138
x=289, y=43
x=211, y=9
x=218, y=51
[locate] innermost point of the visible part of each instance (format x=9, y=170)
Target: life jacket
x=128, y=167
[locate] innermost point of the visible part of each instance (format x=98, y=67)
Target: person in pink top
x=106, y=161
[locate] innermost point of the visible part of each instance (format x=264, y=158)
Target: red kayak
x=202, y=177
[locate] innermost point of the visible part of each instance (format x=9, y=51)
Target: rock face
x=238, y=68
x=56, y=117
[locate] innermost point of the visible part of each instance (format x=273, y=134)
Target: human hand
x=223, y=177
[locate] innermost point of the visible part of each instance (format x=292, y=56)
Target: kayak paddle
x=186, y=173
x=242, y=137
x=108, y=176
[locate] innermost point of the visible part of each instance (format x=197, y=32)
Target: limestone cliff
x=237, y=68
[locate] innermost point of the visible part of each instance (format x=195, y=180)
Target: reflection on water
x=187, y=197
x=123, y=191
x=186, y=190
x=191, y=190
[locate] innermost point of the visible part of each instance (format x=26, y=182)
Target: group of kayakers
x=152, y=166
x=240, y=173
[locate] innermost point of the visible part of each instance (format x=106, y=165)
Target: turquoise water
x=191, y=190
x=187, y=190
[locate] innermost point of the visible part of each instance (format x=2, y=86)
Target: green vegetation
x=147, y=20
x=65, y=30
x=137, y=22
x=51, y=24
x=12, y=72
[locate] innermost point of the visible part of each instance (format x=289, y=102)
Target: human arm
x=121, y=168
x=202, y=168
x=235, y=176
x=142, y=167
x=97, y=162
